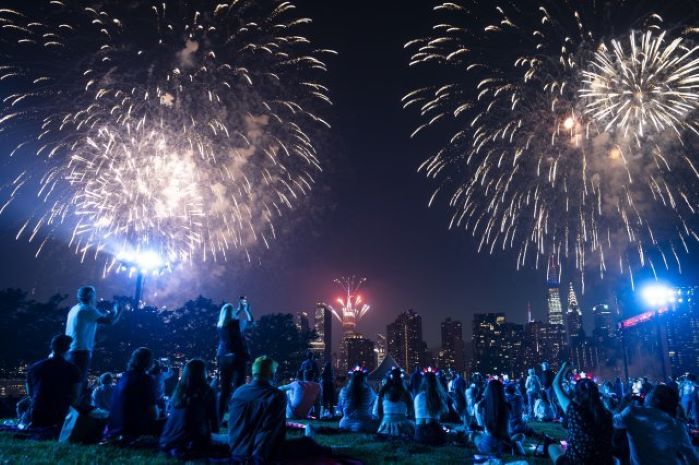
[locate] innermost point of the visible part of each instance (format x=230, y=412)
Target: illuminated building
x=573, y=320
x=604, y=327
x=380, y=348
x=321, y=346
x=452, y=351
x=360, y=352
x=555, y=311
x=497, y=345
x=404, y=340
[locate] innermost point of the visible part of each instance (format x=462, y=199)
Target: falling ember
x=564, y=142
x=183, y=127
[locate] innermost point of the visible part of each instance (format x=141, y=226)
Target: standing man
x=81, y=325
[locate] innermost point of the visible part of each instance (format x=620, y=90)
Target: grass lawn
x=360, y=446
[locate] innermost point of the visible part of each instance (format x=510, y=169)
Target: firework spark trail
x=185, y=127
x=532, y=162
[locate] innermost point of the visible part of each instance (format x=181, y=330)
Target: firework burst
x=649, y=86
x=352, y=308
x=530, y=163
x=180, y=126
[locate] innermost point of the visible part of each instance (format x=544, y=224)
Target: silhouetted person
x=327, y=384
x=232, y=354
x=53, y=384
x=192, y=416
x=133, y=411
x=310, y=365
x=257, y=424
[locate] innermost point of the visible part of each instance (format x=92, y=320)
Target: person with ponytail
x=589, y=424
x=394, y=406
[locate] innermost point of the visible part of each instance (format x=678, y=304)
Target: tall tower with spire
x=573, y=317
x=555, y=310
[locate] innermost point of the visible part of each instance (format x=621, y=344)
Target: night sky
x=368, y=216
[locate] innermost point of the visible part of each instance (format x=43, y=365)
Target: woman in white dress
x=394, y=406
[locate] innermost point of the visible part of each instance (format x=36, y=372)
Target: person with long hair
x=589, y=424
x=133, y=412
x=356, y=402
x=327, y=384
x=232, y=354
x=393, y=407
x=493, y=414
x=192, y=416
x=431, y=404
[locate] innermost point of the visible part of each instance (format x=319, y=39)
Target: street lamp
x=142, y=263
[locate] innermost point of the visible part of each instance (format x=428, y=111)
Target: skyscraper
x=302, y=322
x=360, y=352
x=404, y=340
x=682, y=328
x=380, y=348
x=322, y=325
x=604, y=327
x=555, y=312
x=542, y=342
x=497, y=345
x=452, y=351
x=573, y=320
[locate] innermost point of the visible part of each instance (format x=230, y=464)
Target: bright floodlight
x=145, y=261
x=658, y=295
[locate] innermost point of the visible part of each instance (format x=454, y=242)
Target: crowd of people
x=635, y=423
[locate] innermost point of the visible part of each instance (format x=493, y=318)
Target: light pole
x=141, y=263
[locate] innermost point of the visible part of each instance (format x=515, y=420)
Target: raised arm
x=109, y=317
x=561, y=395
x=244, y=308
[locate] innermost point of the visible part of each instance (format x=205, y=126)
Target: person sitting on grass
x=493, y=414
x=356, y=402
x=302, y=396
x=393, y=407
x=588, y=423
x=133, y=412
x=430, y=405
x=257, y=425
x=327, y=383
x=192, y=415
x=53, y=384
x=515, y=403
x=102, y=394
x=655, y=433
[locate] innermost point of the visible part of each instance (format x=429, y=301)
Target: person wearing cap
x=81, y=326
x=53, y=384
x=257, y=423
